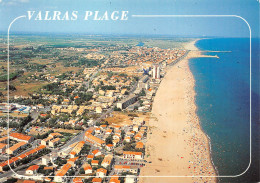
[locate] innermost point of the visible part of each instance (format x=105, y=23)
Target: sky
x=174, y=26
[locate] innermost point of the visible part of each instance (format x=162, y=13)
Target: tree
x=12, y=88
x=142, y=93
x=6, y=168
x=123, y=134
x=81, y=171
x=117, y=109
x=11, y=180
x=71, y=172
x=109, y=139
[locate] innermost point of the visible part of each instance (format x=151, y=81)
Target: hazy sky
x=221, y=27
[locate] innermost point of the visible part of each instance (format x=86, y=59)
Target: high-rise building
x=156, y=72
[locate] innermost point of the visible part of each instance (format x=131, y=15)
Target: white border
x=142, y=16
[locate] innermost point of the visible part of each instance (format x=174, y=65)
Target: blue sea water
x=223, y=100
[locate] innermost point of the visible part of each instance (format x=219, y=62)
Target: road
x=179, y=59
x=34, y=114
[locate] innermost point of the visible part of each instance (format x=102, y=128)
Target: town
x=89, y=124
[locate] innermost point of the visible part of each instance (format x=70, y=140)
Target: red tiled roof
x=96, y=180
x=20, y=136
x=2, y=145
x=102, y=170
x=33, y=167
x=132, y=153
x=29, y=181
x=77, y=180
x=64, y=170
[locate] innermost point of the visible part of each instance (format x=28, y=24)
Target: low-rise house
x=125, y=168
x=48, y=168
x=61, y=174
x=138, y=121
x=103, y=127
x=130, y=179
x=99, y=110
x=132, y=155
x=118, y=132
x=97, y=180
x=66, y=101
x=96, y=152
x=107, y=161
x=29, y=181
x=80, y=111
x=46, y=140
x=3, y=140
x=115, y=142
x=129, y=134
x=108, y=131
x=138, y=137
x=46, y=179
x=72, y=161
x=97, y=131
x=123, y=91
x=73, y=122
x=87, y=168
x=15, y=148
x=114, y=179
x=135, y=128
x=90, y=157
x=2, y=147
x=127, y=139
x=54, y=142
x=46, y=159
x=116, y=136
x=101, y=92
x=101, y=172
x=117, y=127
x=109, y=147
x=139, y=145
x=21, y=137
x=32, y=170
x=94, y=162
x=69, y=111
x=77, y=180
x=53, y=135
x=94, y=140
x=76, y=150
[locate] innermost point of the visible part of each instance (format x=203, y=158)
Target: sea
x=223, y=100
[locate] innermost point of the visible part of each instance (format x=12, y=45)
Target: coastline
x=191, y=46
x=177, y=145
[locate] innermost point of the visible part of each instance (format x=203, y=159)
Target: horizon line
x=120, y=34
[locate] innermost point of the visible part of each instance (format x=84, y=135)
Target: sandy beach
x=176, y=144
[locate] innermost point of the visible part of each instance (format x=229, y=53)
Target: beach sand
x=176, y=145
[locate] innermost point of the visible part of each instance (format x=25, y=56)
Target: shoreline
x=178, y=126
x=191, y=45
